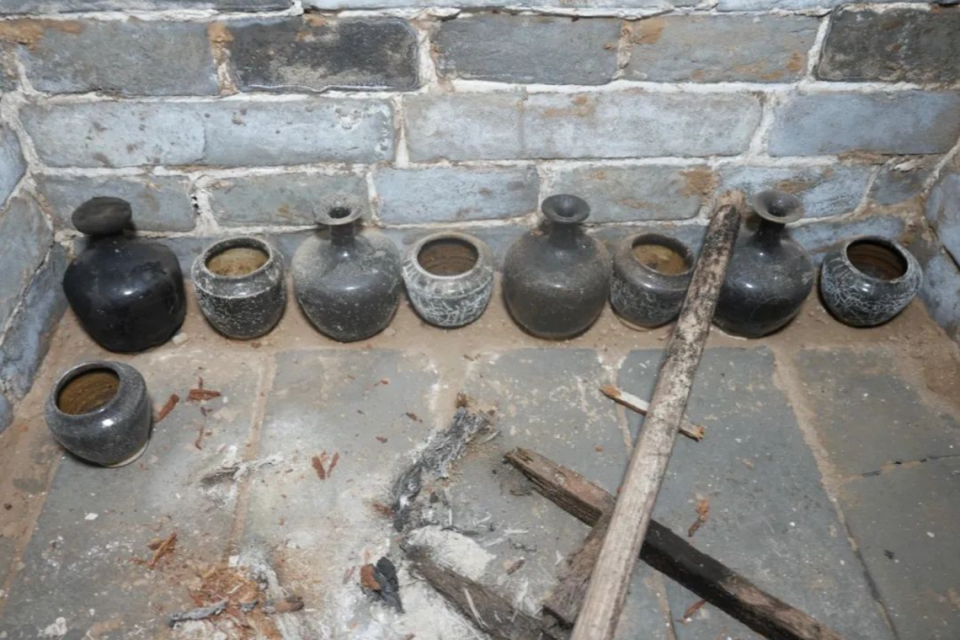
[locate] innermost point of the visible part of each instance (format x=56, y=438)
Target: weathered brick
x=907, y=122
x=449, y=194
x=228, y=133
x=721, y=48
x=941, y=282
x=943, y=211
x=282, y=199
x=899, y=45
x=559, y=125
x=633, y=193
x=28, y=335
x=314, y=54
x=160, y=203
x=12, y=165
x=9, y=79
x=789, y=5
x=6, y=417
x=26, y=239
x=824, y=191
x=121, y=58
x=537, y=49
x=901, y=181
x=68, y=6
x=493, y=4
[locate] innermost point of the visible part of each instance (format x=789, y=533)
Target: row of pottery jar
x=128, y=292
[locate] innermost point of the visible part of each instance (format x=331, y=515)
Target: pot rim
x=761, y=209
x=74, y=372
x=887, y=243
x=231, y=243
x=578, y=207
x=670, y=242
x=476, y=243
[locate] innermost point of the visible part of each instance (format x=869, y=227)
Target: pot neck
x=564, y=235
x=769, y=233
x=343, y=235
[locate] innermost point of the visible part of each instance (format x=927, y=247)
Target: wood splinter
x=630, y=401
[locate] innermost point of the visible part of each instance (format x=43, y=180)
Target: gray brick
x=721, y=48
x=788, y=5
x=820, y=237
x=68, y=6
x=160, y=203
x=824, y=191
x=941, y=283
x=905, y=522
x=6, y=417
x=282, y=199
x=770, y=517
x=9, y=78
x=943, y=211
x=493, y=4
x=83, y=569
x=901, y=181
x=12, y=164
x=913, y=122
x=29, y=332
x=900, y=45
x=314, y=54
x=587, y=125
x=453, y=194
x=535, y=49
x=122, y=58
x=26, y=239
x=635, y=193
x=228, y=133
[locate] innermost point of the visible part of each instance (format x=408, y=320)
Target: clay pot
x=869, y=280
x=449, y=278
x=127, y=293
x=348, y=283
x=100, y=411
x=240, y=287
x=556, y=278
x=769, y=275
x=651, y=273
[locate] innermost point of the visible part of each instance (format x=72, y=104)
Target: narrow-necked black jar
x=127, y=292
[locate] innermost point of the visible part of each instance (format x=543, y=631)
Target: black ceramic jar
x=867, y=281
x=100, y=411
x=449, y=278
x=556, y=278
x=651, y=274
x=347, y=283
x=769, y=275
x=127, y=292
x=240, y=287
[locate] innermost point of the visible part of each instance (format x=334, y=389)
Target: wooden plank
x=648, y=463
x=664, y=550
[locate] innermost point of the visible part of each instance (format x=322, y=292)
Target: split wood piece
x=665, y=551
x=648, y=463
x=492, y=614
x=631, y=401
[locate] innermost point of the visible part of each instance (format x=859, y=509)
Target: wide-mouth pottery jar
x=869, y=280
x=240, y=286
x=651, y=274
x=449, y=278
x=100, y=411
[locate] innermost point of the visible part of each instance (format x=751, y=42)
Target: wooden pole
x=648, y=464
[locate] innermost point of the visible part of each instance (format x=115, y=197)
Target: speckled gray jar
x=869, y=280
x=100, y=411
x=347, y=282
x=240, y=286
x=449, y=278
x=651, y=274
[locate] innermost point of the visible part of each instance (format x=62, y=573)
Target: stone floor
x=831, y=466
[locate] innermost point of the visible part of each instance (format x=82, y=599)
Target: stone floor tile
x=905, y=521
x=86, y=560
x=869, y=416
x=769, y=516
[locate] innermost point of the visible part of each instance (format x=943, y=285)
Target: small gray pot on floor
x=651, y=274
x=100, y=411
x=449, y=278
x=869, y=280
x=240, y=286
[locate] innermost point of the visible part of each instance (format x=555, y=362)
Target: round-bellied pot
x=556, y=278
x=347, y=283
x=449, y=278
x=769, y=275
x=100, y=411
x=127, y=292
x=869, y=280
x=651, y=273
x=240, y=287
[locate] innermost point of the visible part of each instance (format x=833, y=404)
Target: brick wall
x=222, y=116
